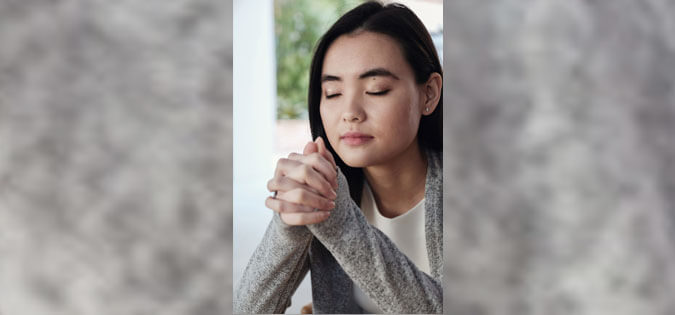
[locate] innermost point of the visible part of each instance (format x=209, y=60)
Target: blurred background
x=115, y=157
x=116, y=169
x=559, y=135
x=274, y=45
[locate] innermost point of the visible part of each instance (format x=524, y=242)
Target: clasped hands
x=305, y=185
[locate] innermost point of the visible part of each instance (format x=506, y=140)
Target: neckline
x=376, y=210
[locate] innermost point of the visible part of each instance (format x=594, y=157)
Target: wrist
x=290, y=231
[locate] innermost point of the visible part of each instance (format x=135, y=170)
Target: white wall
x=253, y=124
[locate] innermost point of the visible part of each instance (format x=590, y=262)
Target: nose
x=353, y=109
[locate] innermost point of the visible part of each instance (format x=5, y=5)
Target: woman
x=370, y=229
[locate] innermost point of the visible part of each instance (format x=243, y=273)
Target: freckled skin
x=392, y=119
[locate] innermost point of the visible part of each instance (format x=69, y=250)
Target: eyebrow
x=376, y=72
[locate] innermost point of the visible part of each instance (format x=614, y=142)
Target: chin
x=357, y=161
x=356, y=165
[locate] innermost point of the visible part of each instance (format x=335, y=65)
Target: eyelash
x=383, y=92
x=380, y=93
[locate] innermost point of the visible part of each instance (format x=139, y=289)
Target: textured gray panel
x=115, y=157
x=560, y=151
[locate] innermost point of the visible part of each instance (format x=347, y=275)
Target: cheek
x=406, y=125
x=403, y=121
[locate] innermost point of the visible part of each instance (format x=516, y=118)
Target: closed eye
x=333, y=95
x=378, y=93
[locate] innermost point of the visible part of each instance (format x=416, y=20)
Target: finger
x=285, y=183
x=319, y=163
x=323, y=150
x=285, y=165
x=306, y=174
x=306, y=198
x=304, y=218
x=310, y=148
x=282, y=206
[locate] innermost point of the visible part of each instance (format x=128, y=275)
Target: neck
x=398, y=184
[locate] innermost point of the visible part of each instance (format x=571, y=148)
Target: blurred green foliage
x=298, y=26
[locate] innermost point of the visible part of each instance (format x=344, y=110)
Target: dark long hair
x=400, y=23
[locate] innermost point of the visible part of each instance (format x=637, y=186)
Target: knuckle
x=291, y=195
x=325, y=204
x=326, y=186
x=322, y=160
x=303, y=195
x=283, y=207
x=320, y=216
x=269, y=204
x=305, y=169
x=271, y=183
x=292, y=183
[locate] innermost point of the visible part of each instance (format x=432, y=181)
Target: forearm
x=275, y=269
x=374, y=263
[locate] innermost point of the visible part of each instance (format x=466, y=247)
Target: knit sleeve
x=374, y=263
x=275, y=269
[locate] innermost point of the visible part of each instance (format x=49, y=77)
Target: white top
x=407, y=233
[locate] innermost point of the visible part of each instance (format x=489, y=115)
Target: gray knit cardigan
x=342, y=251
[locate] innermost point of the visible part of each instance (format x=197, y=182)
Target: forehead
x=352, y=54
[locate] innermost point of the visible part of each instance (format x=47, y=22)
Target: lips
x=355, y=138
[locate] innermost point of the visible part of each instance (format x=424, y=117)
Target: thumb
x=311, y=147
x=324, y=151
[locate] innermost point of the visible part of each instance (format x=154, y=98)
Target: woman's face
x=370, y=104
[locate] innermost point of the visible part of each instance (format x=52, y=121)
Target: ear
x=431, y=93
